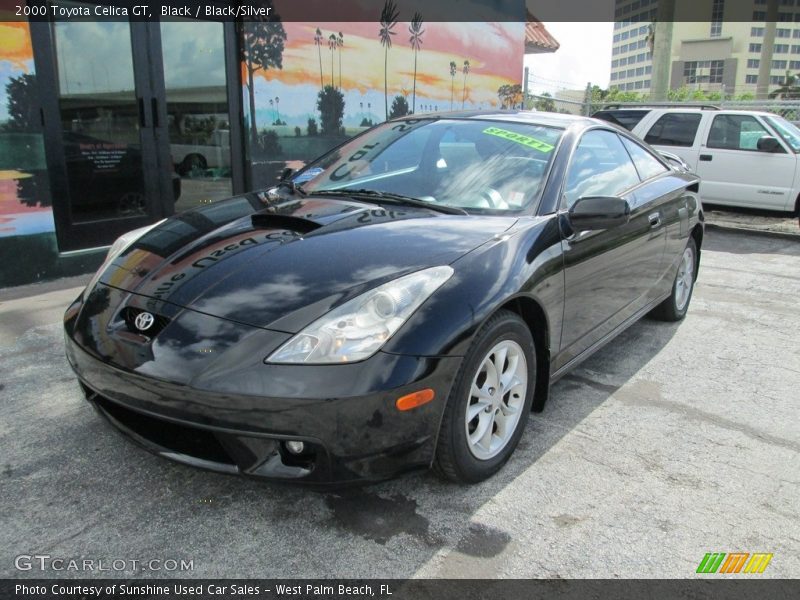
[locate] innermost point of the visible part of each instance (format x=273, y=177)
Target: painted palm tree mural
x=332, y=45
x=340, y=45
x=318, y=44
x=416, y=31
x=262, y=44
x=304, y=106
x=453, y=71
x=465, y=71
x=389, y=16
x=510, y=95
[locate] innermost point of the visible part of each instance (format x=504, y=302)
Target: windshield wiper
x=293, y=187
x=392, y=198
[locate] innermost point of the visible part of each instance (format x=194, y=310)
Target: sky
x=584, y=56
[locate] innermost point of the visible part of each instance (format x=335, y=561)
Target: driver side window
x=600, y=166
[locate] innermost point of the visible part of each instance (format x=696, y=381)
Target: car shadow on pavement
x=417, y=504
x=75, y=487
x=740, y=242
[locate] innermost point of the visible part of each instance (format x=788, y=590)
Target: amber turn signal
x=414, y=400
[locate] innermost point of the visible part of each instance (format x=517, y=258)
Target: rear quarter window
x=674, y=129
x=646, y=164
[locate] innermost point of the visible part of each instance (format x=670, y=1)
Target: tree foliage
x=545, y=103
x=509, y=95
x=399, y=107
x=789, y=89
x=261, y=46
x=330, y=103
x=22, y=102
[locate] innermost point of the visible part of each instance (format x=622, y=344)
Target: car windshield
x=789, y=132
x=479, y=166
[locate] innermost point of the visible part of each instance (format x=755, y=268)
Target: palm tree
x=318, y=43
x=332, y=48
x=389, y=16
x=453, y=70
x=416, y=31
x=277, y=107
x=789, y=89
x=651, y=37
x=271, y=109
x=465, y=70
x=340, y=44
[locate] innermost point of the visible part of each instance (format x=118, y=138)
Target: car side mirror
x=599, y=212
x=767, y=143
x=286, y=174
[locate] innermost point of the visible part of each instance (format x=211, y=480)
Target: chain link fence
x=789, y=109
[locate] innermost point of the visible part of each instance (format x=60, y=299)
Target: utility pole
x=587, y=99
x=525, y=89
x=662, y=50
x=767, y=45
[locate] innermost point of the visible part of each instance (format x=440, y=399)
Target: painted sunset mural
x=24, y=198
x=322, y=82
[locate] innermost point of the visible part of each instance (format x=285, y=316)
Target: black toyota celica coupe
x=404, y=301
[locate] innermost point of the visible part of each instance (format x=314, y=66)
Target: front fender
x=523, y=262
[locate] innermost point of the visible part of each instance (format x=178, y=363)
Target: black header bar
x=644, y=11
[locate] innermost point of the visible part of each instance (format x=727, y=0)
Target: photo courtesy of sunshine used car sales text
x=228, y=590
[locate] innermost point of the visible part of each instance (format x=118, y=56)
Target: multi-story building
x=726, y=52
x=631, y=52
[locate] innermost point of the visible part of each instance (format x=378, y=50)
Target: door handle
x=142, y=118
x=706, y=157
x=655, y=220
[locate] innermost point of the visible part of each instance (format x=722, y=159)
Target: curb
x=780, y=235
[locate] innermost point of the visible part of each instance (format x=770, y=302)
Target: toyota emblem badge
x=144, y=321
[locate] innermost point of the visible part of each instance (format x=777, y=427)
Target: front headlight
x=118, y=247
x=358, y=328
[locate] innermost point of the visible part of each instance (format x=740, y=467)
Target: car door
x=734, y=172
x=608, y=273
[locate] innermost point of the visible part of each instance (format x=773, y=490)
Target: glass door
x=198, y=122
x=137, y=122
x=97, y=123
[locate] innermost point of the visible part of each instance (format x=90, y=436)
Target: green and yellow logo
x=734, y=562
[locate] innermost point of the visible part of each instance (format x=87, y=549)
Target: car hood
x=282, y=266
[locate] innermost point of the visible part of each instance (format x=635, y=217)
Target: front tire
x=674, y=308
x=490, y=401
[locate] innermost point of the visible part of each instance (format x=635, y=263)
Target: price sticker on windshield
x=525, y=140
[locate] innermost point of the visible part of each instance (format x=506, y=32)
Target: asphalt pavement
x=673, y=441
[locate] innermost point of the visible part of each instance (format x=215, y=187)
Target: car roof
x=727, y=111
x=530, y=117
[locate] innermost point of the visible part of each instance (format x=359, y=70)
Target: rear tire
x=489, y=402
x=192, y=164
x=674, y=308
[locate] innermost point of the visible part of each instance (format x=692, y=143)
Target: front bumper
x=238, y=423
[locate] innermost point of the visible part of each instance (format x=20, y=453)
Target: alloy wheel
x=685, y=279
x=497, y=395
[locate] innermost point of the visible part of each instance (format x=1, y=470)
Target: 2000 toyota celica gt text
x=404, y=301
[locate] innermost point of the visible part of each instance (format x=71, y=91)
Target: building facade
x=727, y=53
x=110, y=125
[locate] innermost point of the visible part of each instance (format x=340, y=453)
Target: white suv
x=744, y=158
